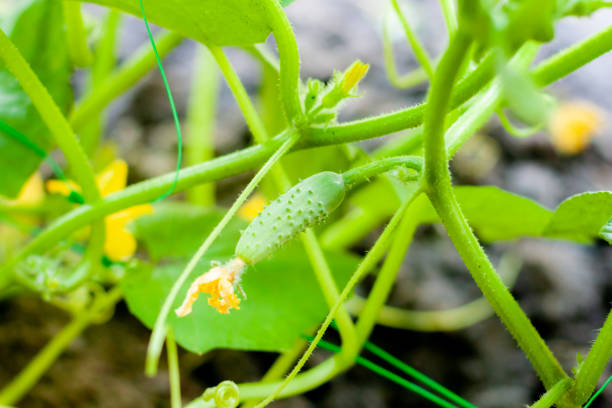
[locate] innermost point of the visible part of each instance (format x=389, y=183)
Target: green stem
x=289, y=58
x=242, y=98
x=439, y=189
x=387, y=274
x=553, y=395
x=174, y=371
x=572, y=58
x=160, y=328
x=76, y=35
x=594, y=364
x=363, y=173
x=103, y=64
x=201, y=122
x=407, y=80
x=449, y=11
x=419, y=51
x=28, y=377
x=123, y=79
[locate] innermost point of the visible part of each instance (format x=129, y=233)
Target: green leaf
x=212, y=22
x=36, y=28
x=581, y=217
x=177, y=230
x=284, y=301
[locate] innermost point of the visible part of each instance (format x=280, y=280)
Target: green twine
x=177, y=123
x=16, y=135
x=599, y=391
x=397, y=379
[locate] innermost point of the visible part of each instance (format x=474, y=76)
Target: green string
x=417, y=375
x=177, y=123
x=599, y=391
x=414, y=373
x=16, y=135
x=387, y=374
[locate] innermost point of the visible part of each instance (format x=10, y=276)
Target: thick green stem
x=594, y=364
x=553, y=395
x=439, y=189
x=201, y=122
x=418, y=48
x=123, y=79
x=289, y=58
x=78, y=49
x=160, y=328
x=28, y=377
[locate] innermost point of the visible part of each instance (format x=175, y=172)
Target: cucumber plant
x=59, y=249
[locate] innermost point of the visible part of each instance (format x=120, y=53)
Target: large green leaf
x=284, y=299
x=213, y=22
x=36, y=28
x=581, y=217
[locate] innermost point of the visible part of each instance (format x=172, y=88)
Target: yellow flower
x=252, y=207
x=220, y=283
x=572, y=126
x=119, y=243
x=32, y=191
x=353, y=75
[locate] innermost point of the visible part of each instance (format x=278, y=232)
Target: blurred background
x=564, y=287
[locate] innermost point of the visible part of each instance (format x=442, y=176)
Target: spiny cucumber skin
x=306, y=204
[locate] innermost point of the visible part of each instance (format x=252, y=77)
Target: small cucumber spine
x=306, y=204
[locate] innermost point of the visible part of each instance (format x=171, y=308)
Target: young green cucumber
x=306, y=204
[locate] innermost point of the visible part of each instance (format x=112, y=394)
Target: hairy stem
x=594, y=364
x=439, y=189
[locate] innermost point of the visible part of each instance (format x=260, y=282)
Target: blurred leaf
x=526, y=101
x=495, y=214
x=581, y=217
x=36, y=28
x=284, y=301
x=177, y=230
x=606, y=231
x=212, y=22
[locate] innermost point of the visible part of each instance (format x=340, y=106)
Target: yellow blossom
x=252, y=207
x=353, y=75
x=32, y=191
x=572, y=126
x=119, y=243
x=220, y=283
